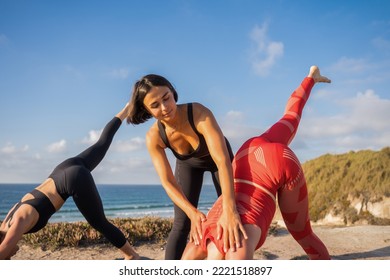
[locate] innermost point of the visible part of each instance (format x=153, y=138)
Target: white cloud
x=238, y=134
x=236, y=129
x=9, y=148
x=133, y=144
x=360, y=72
x=362, y=123
x=266, y=52
x=120, y=145
x=234, y=116
x=18, y=165
x=57, y=147
x=131, y=170
x=369, y=111
x=93, y=136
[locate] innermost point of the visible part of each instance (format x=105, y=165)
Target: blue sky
x=67, y=67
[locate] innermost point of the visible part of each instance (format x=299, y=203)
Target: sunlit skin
x=161, y=104
x=26, y=216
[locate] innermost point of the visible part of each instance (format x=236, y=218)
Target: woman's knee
x=101, y=225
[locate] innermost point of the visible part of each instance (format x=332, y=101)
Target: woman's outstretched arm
x=229, y=224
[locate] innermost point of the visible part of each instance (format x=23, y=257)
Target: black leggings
x=189, y=175
x=73, y=178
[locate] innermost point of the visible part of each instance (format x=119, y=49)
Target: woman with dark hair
x=265, y=168
x=193, y=135
x=70, y=178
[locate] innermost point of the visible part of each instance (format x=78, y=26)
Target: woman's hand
x=13, y=252
x=229, y=224
x=229, y=227
x=197, y=218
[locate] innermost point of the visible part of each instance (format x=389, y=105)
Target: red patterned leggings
x=265, y=168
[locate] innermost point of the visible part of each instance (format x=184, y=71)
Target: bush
x=57, y=235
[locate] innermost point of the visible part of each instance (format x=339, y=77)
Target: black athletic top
x=42, y=204
x=202, y=149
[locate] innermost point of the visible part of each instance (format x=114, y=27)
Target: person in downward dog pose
x=265, y=168
x=70, y=178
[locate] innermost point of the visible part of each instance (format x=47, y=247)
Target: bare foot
x=124, y=112
x=129, y=252
x=136, y=257
x=315, y=74
x=133, y=255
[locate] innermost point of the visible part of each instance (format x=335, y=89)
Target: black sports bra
x=202, y=149
x=42, y=204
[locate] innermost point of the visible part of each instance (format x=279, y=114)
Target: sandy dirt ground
x=361, y=242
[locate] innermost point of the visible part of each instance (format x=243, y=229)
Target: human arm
x=21, y=222
x=229, y=225
x=156, y=149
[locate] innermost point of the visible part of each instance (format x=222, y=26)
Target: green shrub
x=57, y=235
x=332, y=179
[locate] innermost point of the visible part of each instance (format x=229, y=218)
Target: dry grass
x=136, y=230
x=334, y=179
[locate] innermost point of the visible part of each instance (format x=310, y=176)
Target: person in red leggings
x=264, y=169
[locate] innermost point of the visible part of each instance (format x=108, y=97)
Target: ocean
x=119, y=201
